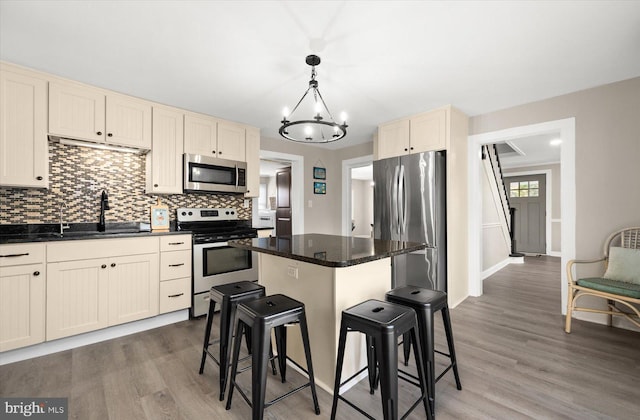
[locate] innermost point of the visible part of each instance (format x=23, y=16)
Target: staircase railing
x=490, y=151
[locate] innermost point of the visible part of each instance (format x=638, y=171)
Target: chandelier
x=321, y=127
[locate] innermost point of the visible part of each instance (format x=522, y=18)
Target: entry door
x=527, y=194
x=283, y=202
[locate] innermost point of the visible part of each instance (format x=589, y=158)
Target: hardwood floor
x=515, y=362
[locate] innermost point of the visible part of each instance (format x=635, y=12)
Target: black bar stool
x=382, y=323
x=426, y=302
x=227, y=296
x=261, y=315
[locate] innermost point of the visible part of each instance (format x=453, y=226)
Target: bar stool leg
x=307, y=352
x=234, y=362
x=417, y=351
x=281, y=346
x=452, y=352
x=406, y=347
x=261, y=339
x=371, y=364
x=207, y=334
x=388, y=371
x=342, y=340
x=225, y=343
x=427, y=345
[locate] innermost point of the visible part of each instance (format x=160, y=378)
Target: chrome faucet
x=65, y=225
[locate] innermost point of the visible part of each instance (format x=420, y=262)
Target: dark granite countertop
x=328, y=250
x=21, y=233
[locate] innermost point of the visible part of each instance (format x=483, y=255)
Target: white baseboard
x=50, y=347
x=554, y=254
x=492, y=270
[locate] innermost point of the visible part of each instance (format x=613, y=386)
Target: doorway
x=527, y=195
x=566, y=129
x=283, y=202
x=359, y=169
x=296, y=163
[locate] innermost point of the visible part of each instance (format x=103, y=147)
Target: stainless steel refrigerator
x=410, y=205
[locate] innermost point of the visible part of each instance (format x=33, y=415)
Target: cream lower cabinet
x=86, y=294
x=22, y=295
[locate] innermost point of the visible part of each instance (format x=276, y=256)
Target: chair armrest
x=571, y=263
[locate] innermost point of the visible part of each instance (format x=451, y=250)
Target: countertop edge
x=90, y=236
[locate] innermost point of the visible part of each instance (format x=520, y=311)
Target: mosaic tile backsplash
x=77, y=176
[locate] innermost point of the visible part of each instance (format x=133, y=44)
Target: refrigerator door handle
x=395, y=225
x=402, y=202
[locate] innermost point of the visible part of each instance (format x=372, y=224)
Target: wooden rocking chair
x=614, y=291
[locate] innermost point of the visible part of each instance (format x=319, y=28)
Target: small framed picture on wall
x=319, y=187
x=319, y=173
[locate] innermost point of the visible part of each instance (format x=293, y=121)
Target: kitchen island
x=327, y=273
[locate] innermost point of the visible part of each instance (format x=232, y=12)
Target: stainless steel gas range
x=214, y=261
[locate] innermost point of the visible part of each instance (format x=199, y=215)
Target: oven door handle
x=237, y=175
x=211, y=245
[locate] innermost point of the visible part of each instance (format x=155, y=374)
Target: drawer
x=20, y=254
x=175, y=243
x=100, y=248
x=175, y=264
x=175, y=294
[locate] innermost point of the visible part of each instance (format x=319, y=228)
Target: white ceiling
x=531, y=151
x=381, y=60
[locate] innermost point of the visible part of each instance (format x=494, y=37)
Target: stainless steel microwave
x=209, y=174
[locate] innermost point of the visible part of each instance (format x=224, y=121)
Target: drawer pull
x=176, y=265
x=14, y=255
x=104, y=266
x=113, y=264
x=176, y=243
x=36, y=273
x=179, y=294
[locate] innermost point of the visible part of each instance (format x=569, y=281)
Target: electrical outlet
x=310, y=203
x=292, y=272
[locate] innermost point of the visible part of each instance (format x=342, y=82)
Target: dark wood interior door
x=283, y=202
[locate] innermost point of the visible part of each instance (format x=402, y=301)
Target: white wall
x=362, y=207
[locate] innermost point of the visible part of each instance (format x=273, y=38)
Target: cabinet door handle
x=175, y=243
x=99, y=133
x=39, y=178
x=176, y=265
x=109, y=134
x=411, y=148
x=36, y=273
x=406, y=150
x=14, y=255
x=155, y=185
x=113, y=264
x=104, y=266
x=213, y=151
x=179, y=294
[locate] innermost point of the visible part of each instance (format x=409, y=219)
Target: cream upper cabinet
x=424, y=132
x=24, y=155
x=393, y=139
x=86, y=113
x=22, y=295
x=208, y=136
x=231, y=141
x=128, y=121
x=164, y=162
x=252, y=158
x=200, y=135
x=428, y=131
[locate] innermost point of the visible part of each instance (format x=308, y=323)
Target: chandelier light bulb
x=343, y=117
x=285, y=112
x=308, y=131
x=318, y=108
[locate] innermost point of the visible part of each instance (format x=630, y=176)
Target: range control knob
x=233, y=212
x=190, y=213
x=184, y=213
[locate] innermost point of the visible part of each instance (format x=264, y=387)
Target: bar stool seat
x=228, y=296
x=426, y=302
x=382, y=323
x=262, y=315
